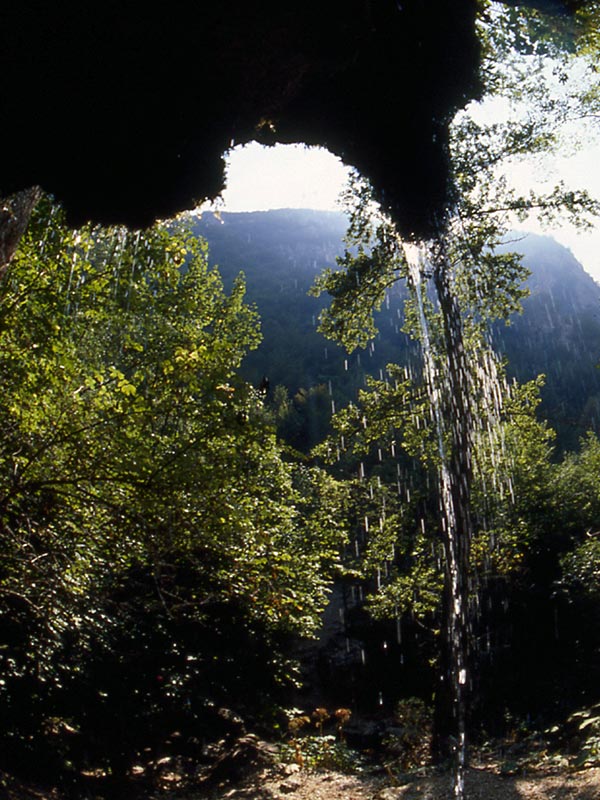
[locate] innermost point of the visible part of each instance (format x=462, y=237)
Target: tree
x=151, y=526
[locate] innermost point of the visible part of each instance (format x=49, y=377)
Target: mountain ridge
x=282, y=251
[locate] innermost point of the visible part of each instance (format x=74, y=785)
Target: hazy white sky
x=580, y=171
x=294, y=176
x=283, y=176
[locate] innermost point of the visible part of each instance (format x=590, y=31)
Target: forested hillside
x=281, y=253
x=558, y=335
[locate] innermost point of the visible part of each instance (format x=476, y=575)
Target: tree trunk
x=15, y=211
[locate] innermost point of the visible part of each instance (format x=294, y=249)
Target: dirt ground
x=276, y=781
x=481, y=784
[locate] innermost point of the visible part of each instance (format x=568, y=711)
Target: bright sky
x=295, y=176
x=581, y=171
x=283, y=176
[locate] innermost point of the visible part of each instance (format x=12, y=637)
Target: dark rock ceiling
x=123, y=110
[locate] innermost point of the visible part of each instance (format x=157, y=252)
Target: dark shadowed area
x=123, y=111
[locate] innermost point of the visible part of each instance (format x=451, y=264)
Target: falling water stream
x=449, y=399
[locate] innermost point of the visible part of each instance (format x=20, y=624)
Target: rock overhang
x=123, y=111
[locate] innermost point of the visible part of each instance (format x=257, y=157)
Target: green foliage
x=301, y=421
x=588, y=726
x=513, y=480
x=408, y=747
x=150, y=524
x=390, y=413
x=581, y=568
x=513, y=484
x=322, y=752
x=577, y=488
x=371, y=263
x=530, y=55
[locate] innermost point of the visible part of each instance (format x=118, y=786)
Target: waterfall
x=450, y=403
x=453, y=302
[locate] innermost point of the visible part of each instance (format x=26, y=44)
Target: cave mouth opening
x=281, y=176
